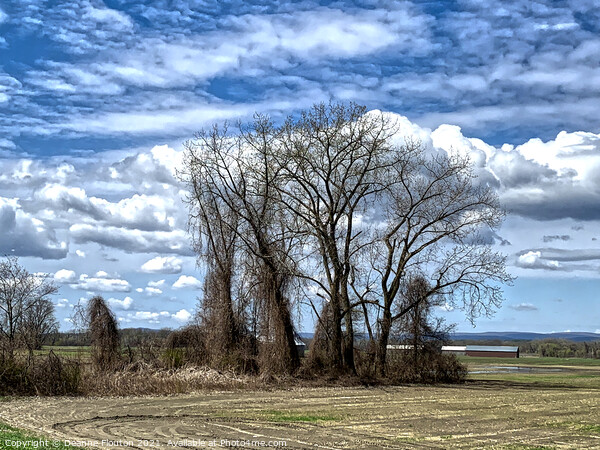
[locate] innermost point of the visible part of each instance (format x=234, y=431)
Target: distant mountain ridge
x=577, y=336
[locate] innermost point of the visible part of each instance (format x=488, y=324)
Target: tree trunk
x=348, y=349
x=384, y=336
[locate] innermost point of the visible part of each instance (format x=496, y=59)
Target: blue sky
x=97, y=97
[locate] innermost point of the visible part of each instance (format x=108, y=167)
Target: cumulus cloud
x=534, y=260
x=121, y=304
x=163, y=264
x=149, y=316
x=187, y=282
x=65, y=276
x=182, y=315
x=133, y=241
x=25, y=235
x=62, y=303
x=101, y=283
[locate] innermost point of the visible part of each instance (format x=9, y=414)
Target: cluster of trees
x=26, y=310
x=335, y=210
x=562, y=348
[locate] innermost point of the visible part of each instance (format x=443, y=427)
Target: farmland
x=557, y=406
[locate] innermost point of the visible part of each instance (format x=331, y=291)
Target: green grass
x=570, y=372
x=13, y=438
x=530, y=361
x=284, y=416
x=587, y=428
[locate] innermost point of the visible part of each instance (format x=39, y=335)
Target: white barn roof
x=492, y=348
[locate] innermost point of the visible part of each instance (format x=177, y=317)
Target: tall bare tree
x=435, y=217
x=333, y=199
x=20, y=294
x=237, y=172
x=331, y=158
x=214, y=226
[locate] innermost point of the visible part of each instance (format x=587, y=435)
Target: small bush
x=49, y=375
x=430, y=367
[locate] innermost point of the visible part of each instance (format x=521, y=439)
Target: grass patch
x=286, y=416
x=11, y=438
x=588, y=428
x=530, y=361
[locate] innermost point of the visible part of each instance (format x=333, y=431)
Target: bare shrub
x=187, y=345
x=43, y=375
x=432, y=367
x=104, y=335
x=318, y=361
x=152, y=381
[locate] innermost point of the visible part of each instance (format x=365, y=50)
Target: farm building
x=456, y=349
x=301, y=346
x=498, y=351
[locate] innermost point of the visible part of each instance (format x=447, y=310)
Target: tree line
x=339, y=212
x=26, y=309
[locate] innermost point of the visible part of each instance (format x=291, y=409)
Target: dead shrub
x=44, y=375
x=185, y=346
x=431, y=367
x=148, y=380
x=104, y=335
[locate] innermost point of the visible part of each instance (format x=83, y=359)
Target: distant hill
x=526, y=336
x=506, y=336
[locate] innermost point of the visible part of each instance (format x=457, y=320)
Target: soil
x=478, y=414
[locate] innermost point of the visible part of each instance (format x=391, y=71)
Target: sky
x=97, y=98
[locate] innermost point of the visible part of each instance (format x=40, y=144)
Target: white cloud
x=149, y=316
x=133, y=241
x=65, y=276
x=187, y=282
x=121, y=304
x=182, y=315
x=156, y=284
x=152, y=291
x=62, y=303
x=25, y=235
x=534, y=260
x=102, y=284
x=162, y=264
x=80, y=253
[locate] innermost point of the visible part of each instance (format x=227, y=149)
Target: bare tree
x=21, y=293
x=333, y=200
x=435, y=218
x=38, y=323
x=236, y=172
x=214, y=226
x=330, y=158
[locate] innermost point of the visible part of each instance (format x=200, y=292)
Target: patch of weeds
x=577, y=426
x=446, y=436
x=11, y=438
x=283, y=416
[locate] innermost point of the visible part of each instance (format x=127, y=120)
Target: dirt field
x=480, y=414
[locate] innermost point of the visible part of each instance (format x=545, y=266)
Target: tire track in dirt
x=399, y=417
